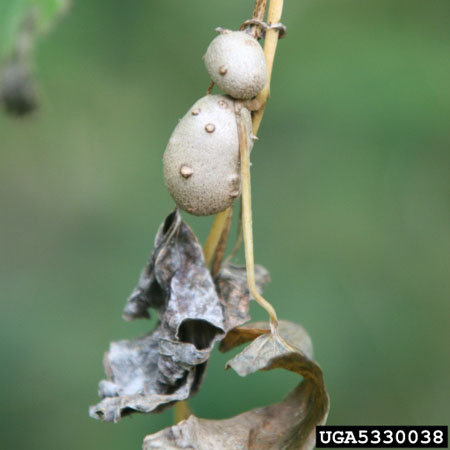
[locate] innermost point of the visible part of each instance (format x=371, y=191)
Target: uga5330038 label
x=382, y=436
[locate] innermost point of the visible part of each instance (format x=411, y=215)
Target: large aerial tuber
x=201, y=160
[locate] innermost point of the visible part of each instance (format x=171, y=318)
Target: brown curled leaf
x=257, y=355
x=288, y=425
x=241, y=335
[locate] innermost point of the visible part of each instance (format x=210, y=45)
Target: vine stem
x=237, y=244
x=221, y=246
x=259, y=10
x=219, y=225
x=247, y=225
x=219, y=228
x=270, y=47
x=181, y=411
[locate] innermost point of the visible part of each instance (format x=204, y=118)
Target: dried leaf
x=287, y=425
x=135, y=379
x=232, y=287
x=257, y=355
x=241, y=335
x=177, y=283
x=149, y=373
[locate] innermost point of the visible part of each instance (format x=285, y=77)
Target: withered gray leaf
x=149, y=373
x=233, y=290
x=177, y=283
x=287, y=425
x=136, y=380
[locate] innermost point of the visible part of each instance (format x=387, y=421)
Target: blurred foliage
x=350, y=184
x=13, y=13
x=11, y=16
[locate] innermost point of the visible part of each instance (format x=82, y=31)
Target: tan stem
x=270, y=47
x=247, y=226
x=221, y=245
x=259, y=11
x=238, y=242
x=181, y=411
x=210, y=88
x=222, y=220
x=215, y=234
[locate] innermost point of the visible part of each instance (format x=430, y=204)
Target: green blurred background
x=351, y=211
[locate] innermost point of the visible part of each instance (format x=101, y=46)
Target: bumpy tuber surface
x=201, y=160
x=236, y=63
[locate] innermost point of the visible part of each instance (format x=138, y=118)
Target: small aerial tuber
x=235, y=62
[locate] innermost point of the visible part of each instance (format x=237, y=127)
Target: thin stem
x=270, y=47
x=238, y=242
x=221, y=225
x=210, y=88
x=221, y=245
x=181, y=411
x=247, y=226
x=259, y=10
x=215, y=234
